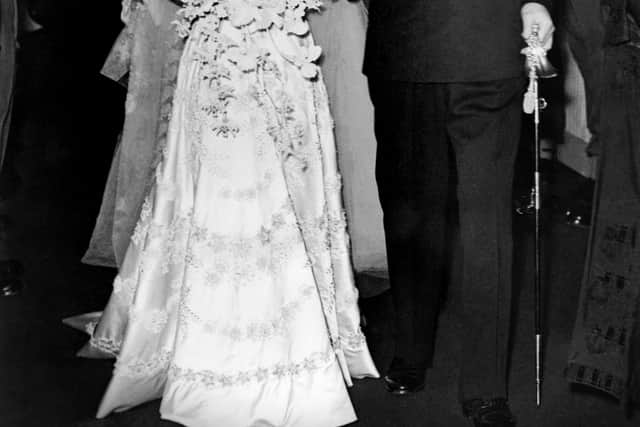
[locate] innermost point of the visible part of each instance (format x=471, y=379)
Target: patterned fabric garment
x=605, y=345
x=145, y=58
x=235, y=301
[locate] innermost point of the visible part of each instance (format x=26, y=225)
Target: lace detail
x=248, y=193
x=216, y=99
x=139, y=368
x=328, y=295
x=212, y=379
x=338, y=236
x=242, y=261
x=156, y=320
x=356, y=340
x=277, y=326
x=283, y=126
x=124, y=289
x=268, y=249
x=252, y=16
x=91, y=327
x=142, y=226
x=326, y=234
x=107, y=345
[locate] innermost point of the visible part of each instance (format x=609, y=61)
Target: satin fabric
x=235, y=302
x=145, y=58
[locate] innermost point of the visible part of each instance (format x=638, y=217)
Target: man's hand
x=536, y=14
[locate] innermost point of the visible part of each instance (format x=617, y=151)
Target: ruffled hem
x=313, y=398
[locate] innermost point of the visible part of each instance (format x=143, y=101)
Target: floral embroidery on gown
x=340, y=28
x=235, y=301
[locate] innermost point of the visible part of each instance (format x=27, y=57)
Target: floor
x=64, y=141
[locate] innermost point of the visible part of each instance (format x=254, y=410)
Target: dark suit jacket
x=444, y=40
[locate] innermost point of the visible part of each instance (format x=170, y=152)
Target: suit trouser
x=416, y=125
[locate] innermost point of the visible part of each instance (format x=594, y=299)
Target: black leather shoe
x=489, y=413
x=402, y=384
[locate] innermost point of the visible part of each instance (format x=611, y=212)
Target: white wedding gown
x=235, y=302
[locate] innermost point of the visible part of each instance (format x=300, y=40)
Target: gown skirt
x=235, y=302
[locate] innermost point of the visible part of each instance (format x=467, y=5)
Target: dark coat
x=444, y=40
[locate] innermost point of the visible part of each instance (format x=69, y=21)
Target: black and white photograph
x=320, y=213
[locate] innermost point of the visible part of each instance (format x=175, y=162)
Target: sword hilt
x=537, y=64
